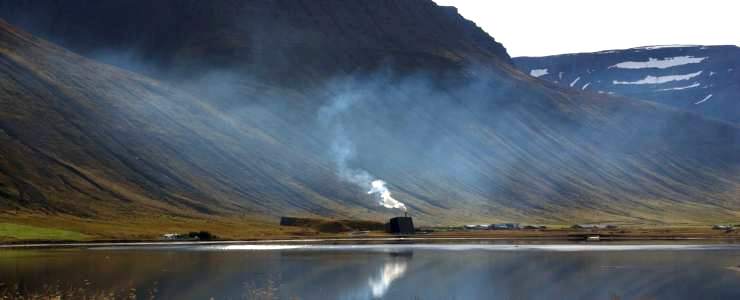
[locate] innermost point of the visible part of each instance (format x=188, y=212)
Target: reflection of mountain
x=227, y=124
x=358, y=274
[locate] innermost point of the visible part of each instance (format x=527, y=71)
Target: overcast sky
x=545, y=27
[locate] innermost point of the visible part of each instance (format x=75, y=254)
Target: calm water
x=475, y=271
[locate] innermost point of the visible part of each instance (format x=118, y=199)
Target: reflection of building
x=401, y=225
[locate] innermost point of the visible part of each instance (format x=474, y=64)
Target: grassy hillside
x=90, y=140
x=459, y=135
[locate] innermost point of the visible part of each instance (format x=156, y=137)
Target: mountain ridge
x=455, y=141
x=694, y=78
x=190, y=34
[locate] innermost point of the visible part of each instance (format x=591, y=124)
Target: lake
x=396, y=271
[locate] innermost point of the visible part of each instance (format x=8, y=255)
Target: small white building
x=170, y=236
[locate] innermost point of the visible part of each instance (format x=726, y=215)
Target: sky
x=547, y=27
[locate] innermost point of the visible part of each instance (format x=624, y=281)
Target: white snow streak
x=665, y=63
x=660, y=79
x=696, y=84
x=572, y=84
x=585, y=86
x=538, y=72
x=705, y=99
x=664, y=46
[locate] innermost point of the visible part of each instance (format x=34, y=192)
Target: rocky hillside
x=292, y=107
x=92, y=140
x=703, y=79
x=282, y=40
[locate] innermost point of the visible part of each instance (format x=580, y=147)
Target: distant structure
x=292, y=221
x=170, y=236
x=401, y=225
x=594, y=226
x=506, y=226
x=722, y=227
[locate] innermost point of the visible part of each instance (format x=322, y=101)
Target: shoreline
x=513, y=240
x=433, y=235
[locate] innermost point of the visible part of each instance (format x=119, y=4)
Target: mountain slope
x=87, y=139
x=703, y=79
x=274, y=40
x=455, y=130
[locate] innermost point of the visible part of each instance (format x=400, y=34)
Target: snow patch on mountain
x=664, y=47
x=705, y=99
x=538, y=72
x=653, y=63
x=660, y=79
x=572, y=84
x=695, y=84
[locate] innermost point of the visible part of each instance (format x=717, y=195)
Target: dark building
x=401, y=225
x=291, y=221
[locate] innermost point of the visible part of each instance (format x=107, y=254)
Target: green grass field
x=9, y=231
x=34, y=227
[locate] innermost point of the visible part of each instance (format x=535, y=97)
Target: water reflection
x=380, y=271
x=391, y=270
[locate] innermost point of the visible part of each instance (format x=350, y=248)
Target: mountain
x=220, y=109
x=91, y=140
x=702, y=79
x=283, y=40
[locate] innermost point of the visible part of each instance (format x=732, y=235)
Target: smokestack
x=401, y=225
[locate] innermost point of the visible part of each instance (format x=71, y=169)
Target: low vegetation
x=55, y=228
x=88, y=290
x=10, y=231
x=332, y=226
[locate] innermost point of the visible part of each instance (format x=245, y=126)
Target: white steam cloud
x=343, y=150
x=386, y=200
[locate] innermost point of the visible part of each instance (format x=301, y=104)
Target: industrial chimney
x=401, y=225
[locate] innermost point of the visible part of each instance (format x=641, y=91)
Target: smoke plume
x=386, y=200
x=343, y=150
